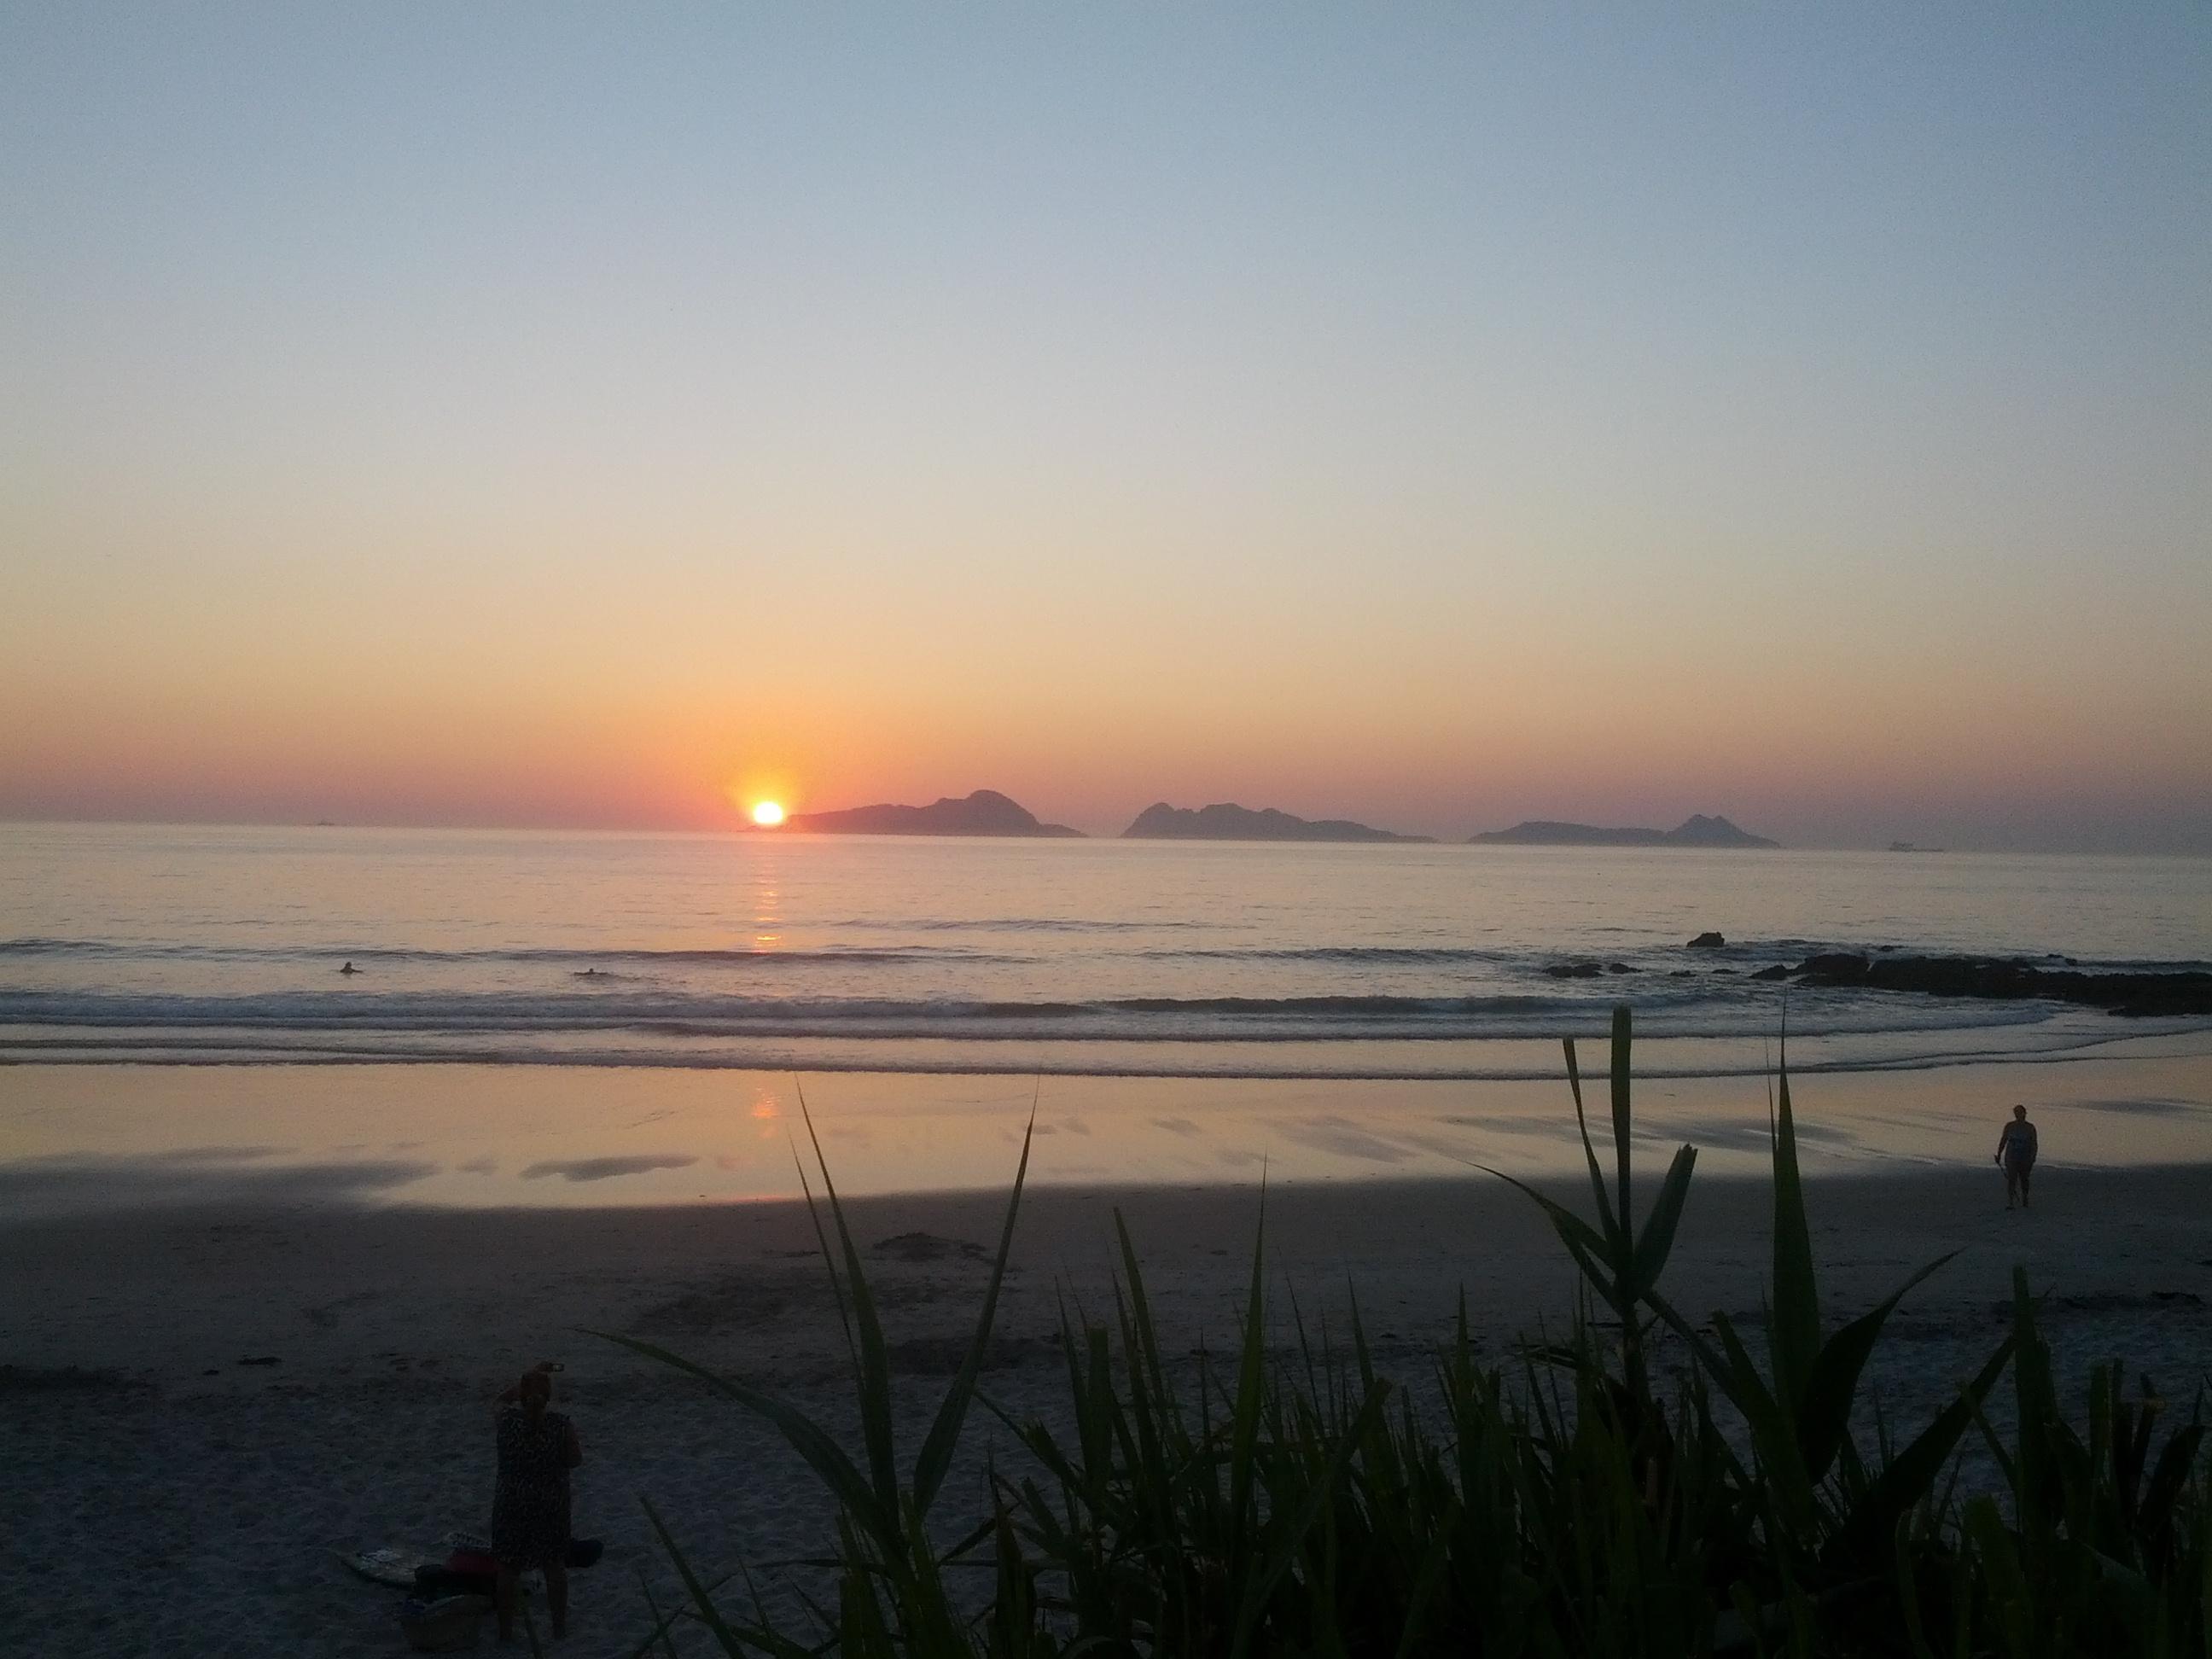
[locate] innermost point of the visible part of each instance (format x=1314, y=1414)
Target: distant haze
x=1438, y=418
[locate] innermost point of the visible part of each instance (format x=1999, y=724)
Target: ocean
x=783, y=952
x=592, y=1019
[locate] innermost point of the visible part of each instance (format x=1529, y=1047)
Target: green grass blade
x=1424, y=1586
x=2169, y=1477
x=1824, y=1412
x=1290, y=1531
x=875, y=1380
x=1773, y=1431
x=1575, y=1233
x=1147, y=1350
x=1606, y=1225
x=1592, y=1254
x=1911, y=1474
x=2036, y=1406
x=820, y=1451
x=659, y=1637
x=2006, y=1576
x=1623, y=1124
x=1251, y=1371
x=1796, y=1333
x=936, y=1455
x=1714, y=1365
x=828, y=1258
x=701, y=1598
x=1656, y=1242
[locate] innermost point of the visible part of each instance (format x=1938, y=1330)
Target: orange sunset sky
x=1434, y=418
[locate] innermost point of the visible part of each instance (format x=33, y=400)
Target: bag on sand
x=444, y=1626
x=434, y=1582
x=474, y=1572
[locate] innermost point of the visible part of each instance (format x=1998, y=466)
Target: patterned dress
x=530, y=1506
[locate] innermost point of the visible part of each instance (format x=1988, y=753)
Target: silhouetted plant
x=1559, y=1506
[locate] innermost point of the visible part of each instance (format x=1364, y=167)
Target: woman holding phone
x=537, y=1447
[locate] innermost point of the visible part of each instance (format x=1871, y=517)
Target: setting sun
x=768, y=814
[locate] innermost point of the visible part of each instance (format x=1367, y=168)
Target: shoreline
x=2087, y=1039
x=117, y=1138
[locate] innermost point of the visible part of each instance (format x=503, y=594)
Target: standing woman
x=2016, y=1154
x=537, y=1447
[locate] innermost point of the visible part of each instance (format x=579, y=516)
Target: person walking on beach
x=2016, y=1155
x=537, y=1447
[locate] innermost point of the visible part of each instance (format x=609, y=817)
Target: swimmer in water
x=349, y=969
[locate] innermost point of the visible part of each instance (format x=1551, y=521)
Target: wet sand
x=132, y=1137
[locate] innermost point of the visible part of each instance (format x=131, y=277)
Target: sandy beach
x=164, y=1496
x=609, y=613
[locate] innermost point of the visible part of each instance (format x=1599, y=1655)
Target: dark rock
x=2139, y=995
x=1778, y=971
x=1697, y=830
x=1835, y=967
x=1225, y=821
x=986, y=812
x=1707, y=942
x=1574, y=970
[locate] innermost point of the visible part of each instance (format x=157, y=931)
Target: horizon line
x=740, y=830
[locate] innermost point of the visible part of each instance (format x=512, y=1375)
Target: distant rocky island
x=986, y=812
x=1228, y=821
x=1697, y=830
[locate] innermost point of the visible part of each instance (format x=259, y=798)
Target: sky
x=1435, y=414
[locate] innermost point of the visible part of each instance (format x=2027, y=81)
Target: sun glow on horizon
x=767, y=813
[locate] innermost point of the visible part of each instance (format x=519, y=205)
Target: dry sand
x=164, y=1498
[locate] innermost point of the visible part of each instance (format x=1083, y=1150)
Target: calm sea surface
x=163, y=945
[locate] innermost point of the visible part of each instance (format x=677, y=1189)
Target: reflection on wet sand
x=605, y=1169
x=72, y=1183
x=471, y=1136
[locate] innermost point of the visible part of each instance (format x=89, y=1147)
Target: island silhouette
x=1226, y=821
x=986, y=812
x=1696, y=830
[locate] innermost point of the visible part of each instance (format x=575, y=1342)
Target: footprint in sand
x=325, y=1314
x=925, y=1247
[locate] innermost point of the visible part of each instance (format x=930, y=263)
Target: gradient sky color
x=1434, y=415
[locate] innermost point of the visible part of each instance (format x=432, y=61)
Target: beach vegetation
x=1644, y=1485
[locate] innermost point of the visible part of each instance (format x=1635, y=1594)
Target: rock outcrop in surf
x=1228, y=821
x=986, y=812
x=1696, y=830
x=2009, y=979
